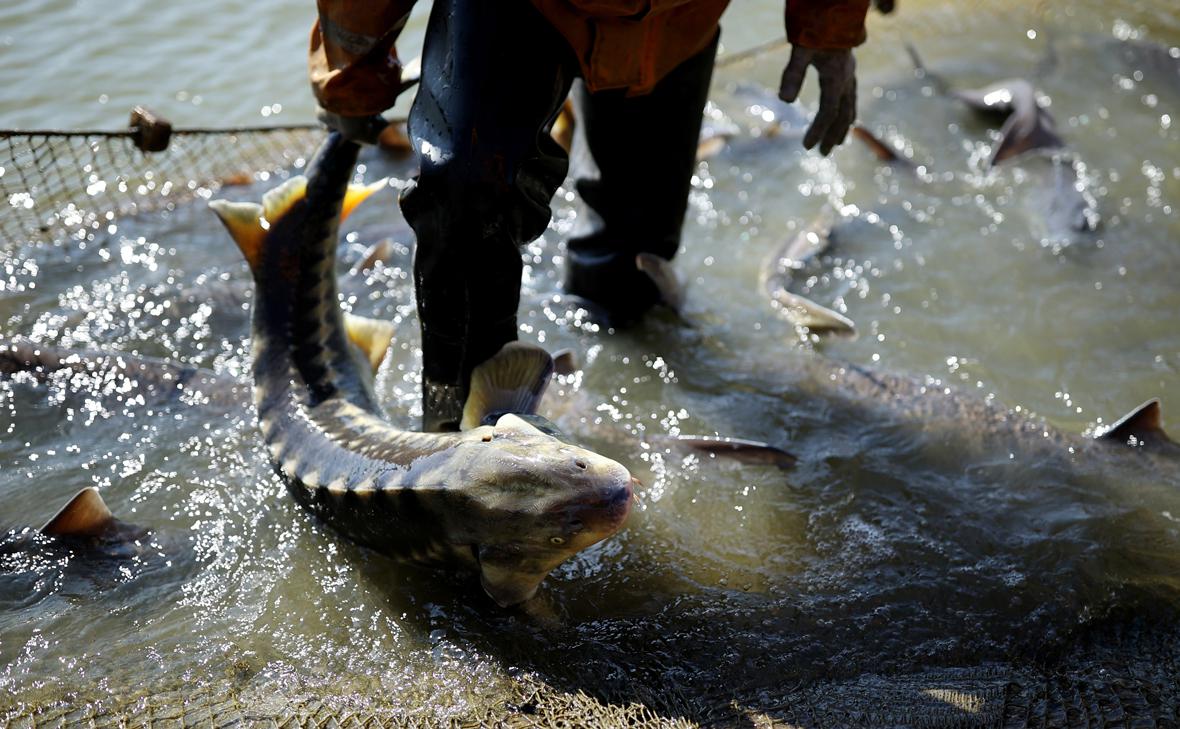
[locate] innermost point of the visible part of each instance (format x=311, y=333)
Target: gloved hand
x=837, y=93
x=359, y=129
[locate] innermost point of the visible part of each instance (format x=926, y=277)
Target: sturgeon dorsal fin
x=660, y=271
x=1141, y=424
x=243, y=220
x=86, y=515
x=279, y=200
x=357, y=194
x=510, y=381
x=371, y=336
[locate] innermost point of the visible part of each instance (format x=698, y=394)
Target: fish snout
x=596, y=515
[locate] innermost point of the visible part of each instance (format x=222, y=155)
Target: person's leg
x=633, y=159
x=494, y=75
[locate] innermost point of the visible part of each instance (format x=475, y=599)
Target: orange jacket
x=621, y=44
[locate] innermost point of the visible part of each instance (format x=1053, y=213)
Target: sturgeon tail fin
x=249, y=222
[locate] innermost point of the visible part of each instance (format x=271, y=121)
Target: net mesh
x=76, y=184
x=61, y=184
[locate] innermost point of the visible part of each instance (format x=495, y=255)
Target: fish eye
x=557, y=540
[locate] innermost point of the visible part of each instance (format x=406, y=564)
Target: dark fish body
x=971, y=426
x=506, y=497
x=83, y=536
x=1028, y=127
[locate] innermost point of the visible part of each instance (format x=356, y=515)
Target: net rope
x=76, y=184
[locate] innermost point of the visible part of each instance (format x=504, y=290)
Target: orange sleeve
x=826, y=24
x=352, y=63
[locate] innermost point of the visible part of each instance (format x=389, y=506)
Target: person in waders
x=495, y=74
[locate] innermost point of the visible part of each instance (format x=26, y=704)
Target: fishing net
x=76, y=184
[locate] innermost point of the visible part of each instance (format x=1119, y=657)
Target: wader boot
x=494, y=76
x=633, y=159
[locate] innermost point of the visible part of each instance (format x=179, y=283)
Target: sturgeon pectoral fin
x=804, y=312
x=371, y=336
x=411, y=72
x=883, y=152
x=357, y=194
x=660, y=271
x=739, y=449
x=1142, y=424
x=510, y=381
x=86, y=515
x=563, y=127
x=243, y=220
x=276, y=202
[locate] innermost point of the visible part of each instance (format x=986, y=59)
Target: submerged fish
x=83, y=545
x=507, y=495
x=806, y=244
x=121, y=376
x=1027, y=126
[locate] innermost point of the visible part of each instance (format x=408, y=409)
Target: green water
x=891, y=547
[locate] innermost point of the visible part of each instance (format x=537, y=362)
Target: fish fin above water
x=660, y=271
x=357, y=194
x=371, y=336
x=565, y=361
x=882, y=151
x=510, y=381
x=816, y=318
x=243, y=220
x=739, y=449
x=277, y=201
x=411, y=72
x=563, y=127
x=380, y=251
x=1024, y=131
x=711, y=146
x=86, y=515
x=921, y=71
x=1142, y=424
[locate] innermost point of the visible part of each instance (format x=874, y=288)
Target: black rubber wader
x=494, y=76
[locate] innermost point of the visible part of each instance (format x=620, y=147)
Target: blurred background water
x=900, y=542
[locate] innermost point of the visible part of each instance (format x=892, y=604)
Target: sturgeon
x=1027, y=126
x=507, y=495
x=809, y=242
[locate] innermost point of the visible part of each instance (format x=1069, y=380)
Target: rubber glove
x=837, y=93
x=359, y=129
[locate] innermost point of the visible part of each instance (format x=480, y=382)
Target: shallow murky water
x=911, y=535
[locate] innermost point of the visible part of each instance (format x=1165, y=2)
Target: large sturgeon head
x=531, y=499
